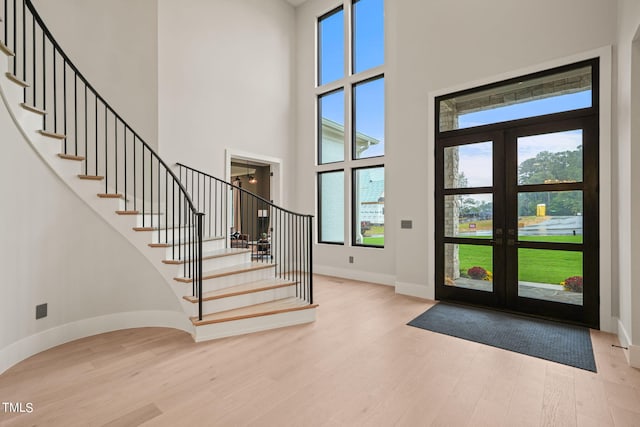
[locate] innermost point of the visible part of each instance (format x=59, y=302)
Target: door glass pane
x=467, y=166
x=331, y=46
x=550, y=275
x=468, y=215
x=550, y=158
x=368, y=119
x=525, y=97
x=468, y=266
x=331, y=221
x=368, y=34
x=331, y=129
x=550, y=216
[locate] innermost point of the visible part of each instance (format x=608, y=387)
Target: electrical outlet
x=350, y=260
x=41, y=311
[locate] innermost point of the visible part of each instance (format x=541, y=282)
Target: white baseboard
x=634, y=356
x=33, y=344
x=363, y=276
x=415, y=290
x=633, y=352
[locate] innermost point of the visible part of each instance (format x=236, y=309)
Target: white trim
x=607, y=323
x=415, y=290
x=254, y=324
x=36, y=343
x=633, y=352
x=363, y=276
x=634, y=356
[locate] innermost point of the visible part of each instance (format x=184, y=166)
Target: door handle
x=497, y=242
x=512, y=242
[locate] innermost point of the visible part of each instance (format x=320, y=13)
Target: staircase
x=183, y=220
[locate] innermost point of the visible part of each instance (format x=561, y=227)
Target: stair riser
x=209, y=245
x=151, y=220
x=220, y=262
x=254, y=324
x=237, y=279
x=230, y=303
x=164, y=236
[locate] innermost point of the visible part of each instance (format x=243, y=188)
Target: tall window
x=350, y=124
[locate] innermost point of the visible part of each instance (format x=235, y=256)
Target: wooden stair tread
x=110, y=196
x=160, y=228
x=229, y=271
x=170, y=244
x=16, y=80
x=4, y=49
x=245, y=288
x=268, y=308
x=51, y=134
x=218, y=253
x=32, y=109
x=128, y=212
x=91, y=177
x=70, y=157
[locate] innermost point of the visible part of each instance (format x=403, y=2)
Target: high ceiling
x=296, y=2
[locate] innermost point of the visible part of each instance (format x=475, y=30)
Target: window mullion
x=348, y=36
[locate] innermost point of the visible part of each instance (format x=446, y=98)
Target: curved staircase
x=180, y=220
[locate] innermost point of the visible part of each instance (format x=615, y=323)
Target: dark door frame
x=504, y=135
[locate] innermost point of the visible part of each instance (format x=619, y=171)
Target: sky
x=476, y=160
x=368, y=43
x=551, y=105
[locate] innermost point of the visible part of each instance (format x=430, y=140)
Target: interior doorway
x=256, y=174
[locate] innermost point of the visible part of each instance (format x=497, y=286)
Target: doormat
x=558, y=342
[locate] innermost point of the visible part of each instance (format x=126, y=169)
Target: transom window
x=351, y=124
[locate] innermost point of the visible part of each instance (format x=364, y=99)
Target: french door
x=517, y=217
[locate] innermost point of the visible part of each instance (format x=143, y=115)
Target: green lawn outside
x=534, y=265
x=375, y=241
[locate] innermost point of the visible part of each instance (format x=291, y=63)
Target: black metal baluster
x=75, y=112
x=158, y=210
x=44, y=80
x=15, y=44
x=55, y=92
x=310, y=259
x=151, y=188
x=86, y=132
x=143, y=189
x=179, y=222
x=64, y=101
x=24, y=51
x=166, y=204
x=33, y=47
x=115, y=151
x=106, y=152
x=95, y=125
x=126, y=197
x=135, y=168
x=173, y=220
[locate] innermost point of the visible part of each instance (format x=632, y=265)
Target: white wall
x=628, y=175
x=431, y=46
x=226, y=80
x=57, y=250
x=114, y=44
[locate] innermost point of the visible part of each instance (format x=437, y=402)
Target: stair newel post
x=199, y=216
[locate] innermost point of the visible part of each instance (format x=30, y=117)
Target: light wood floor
x=358, y=364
